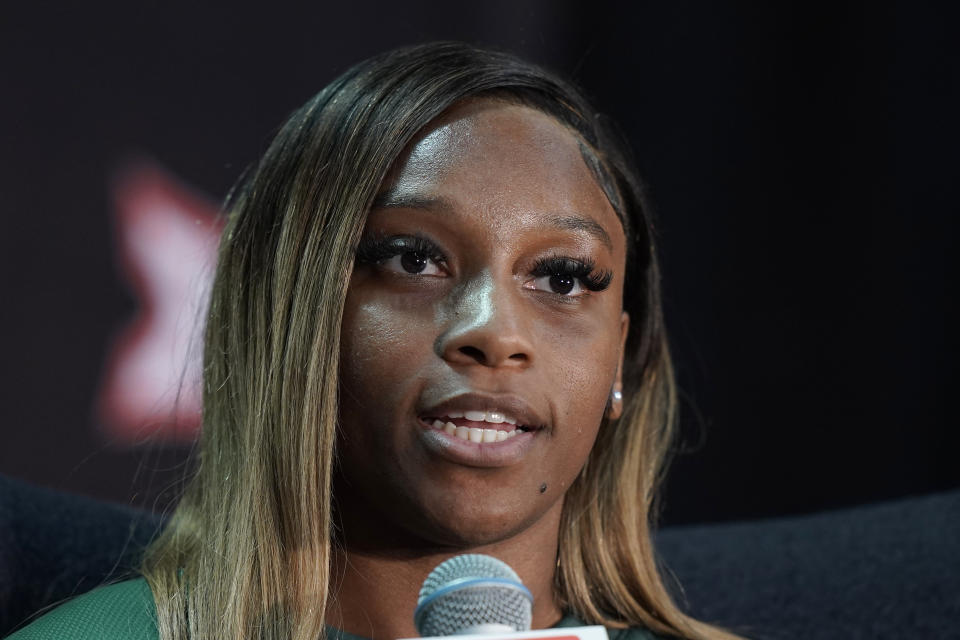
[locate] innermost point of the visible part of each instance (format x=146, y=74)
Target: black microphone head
x=472, y=593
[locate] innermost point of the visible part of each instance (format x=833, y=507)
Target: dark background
x=802, y=160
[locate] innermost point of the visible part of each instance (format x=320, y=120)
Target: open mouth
x=477, y=426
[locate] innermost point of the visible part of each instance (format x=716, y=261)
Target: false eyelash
x=376, y=248
x=581, y=269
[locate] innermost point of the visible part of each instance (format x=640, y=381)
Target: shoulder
x=122, y=610
x=630, y=633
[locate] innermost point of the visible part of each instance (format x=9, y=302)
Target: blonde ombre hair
x=247, y=552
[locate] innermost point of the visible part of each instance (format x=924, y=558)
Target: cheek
x=375, y=337
x=585, y=371
x=368, y=333
x=585, y=365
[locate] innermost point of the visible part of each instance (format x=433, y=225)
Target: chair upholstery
x=885, y=571
x=55, y=545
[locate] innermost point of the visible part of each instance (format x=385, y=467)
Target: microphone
x=472, y=594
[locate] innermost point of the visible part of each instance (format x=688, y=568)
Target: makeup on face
x=482, y=331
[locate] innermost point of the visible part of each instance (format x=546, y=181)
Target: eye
x=410, y=255
x=413, y=262
x=559, y=283
x=568, y=277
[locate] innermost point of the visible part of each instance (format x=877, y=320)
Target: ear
x=616, y=406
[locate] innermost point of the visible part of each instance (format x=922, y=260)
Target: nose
x=487, y=326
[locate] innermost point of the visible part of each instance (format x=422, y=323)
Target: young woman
x=435, y=329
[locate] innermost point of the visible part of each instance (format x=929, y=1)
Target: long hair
x=246, y=553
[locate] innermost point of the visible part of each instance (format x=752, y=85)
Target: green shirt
x=125, y=611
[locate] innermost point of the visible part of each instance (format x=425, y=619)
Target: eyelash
x=580, y=268
x=377, y=248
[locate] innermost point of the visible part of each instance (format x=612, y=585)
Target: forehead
x=478, y=128
x=503, y=158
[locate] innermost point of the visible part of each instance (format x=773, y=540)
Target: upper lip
x=510, y=405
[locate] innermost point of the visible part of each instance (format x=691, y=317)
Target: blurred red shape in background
x=166, y=236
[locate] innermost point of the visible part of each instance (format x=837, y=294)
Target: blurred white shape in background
x=166, y=236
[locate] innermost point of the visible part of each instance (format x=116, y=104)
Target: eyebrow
x=394, y=200
x=583, y=223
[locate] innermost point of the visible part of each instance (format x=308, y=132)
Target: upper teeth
x=474, y=434
x=493, y=417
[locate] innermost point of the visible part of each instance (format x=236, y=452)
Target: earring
x=613, y=404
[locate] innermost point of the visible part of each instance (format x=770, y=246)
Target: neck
x=374, y=593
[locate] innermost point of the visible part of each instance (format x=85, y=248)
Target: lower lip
x=477, y=454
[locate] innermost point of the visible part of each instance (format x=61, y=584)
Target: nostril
x=474, y=353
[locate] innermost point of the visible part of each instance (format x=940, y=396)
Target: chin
x=480, y=533
x=463, y=526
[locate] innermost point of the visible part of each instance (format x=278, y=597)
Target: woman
x=435, y=329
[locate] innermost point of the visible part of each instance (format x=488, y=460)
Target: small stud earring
x=617, y=396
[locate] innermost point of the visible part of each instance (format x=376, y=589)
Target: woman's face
x=488, y=291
